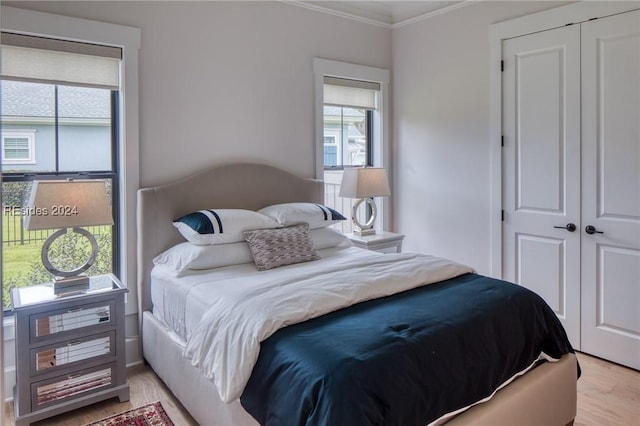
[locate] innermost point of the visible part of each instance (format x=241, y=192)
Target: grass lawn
x=17, y=259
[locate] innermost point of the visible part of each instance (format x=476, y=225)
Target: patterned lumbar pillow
x=221, y=226
x=272, y=248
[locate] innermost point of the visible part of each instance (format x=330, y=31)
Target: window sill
x=8, y=328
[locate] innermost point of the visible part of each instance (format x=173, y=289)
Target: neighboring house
x=344, y=137
x=28, y=139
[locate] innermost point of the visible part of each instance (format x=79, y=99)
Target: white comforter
x=226, y=342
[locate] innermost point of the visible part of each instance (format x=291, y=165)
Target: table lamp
x=364, y=183
x=68, y=204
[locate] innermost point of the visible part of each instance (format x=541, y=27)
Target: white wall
x=441, y=200
x=223, y=81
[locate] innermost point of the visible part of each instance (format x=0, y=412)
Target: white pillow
x=184, y=256
x=316, y=215
x=324, y=238
x=221, y=226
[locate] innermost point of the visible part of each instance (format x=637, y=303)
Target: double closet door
x=571, y=178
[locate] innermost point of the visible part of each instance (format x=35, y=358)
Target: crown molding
x=379, y=23
x=338, y=13
x=437, y=12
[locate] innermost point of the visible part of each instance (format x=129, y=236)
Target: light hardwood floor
x=608, y=395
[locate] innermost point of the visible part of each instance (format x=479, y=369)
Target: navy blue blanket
x=403, y=360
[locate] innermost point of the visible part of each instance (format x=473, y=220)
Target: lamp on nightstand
x=68, y=204
x=364, y=183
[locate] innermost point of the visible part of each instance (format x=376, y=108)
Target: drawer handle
x=74, y=376
x=75, y=342
x=70, y=311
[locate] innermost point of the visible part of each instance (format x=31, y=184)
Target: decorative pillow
x=184, y=256
x=316, y=215
x=324, y=238
x=221, y=226
x=272, y=248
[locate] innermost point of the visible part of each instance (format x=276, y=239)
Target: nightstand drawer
x=75, y=320
x=66, y=387
x=46, y=359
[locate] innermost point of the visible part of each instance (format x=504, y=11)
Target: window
x=351, y=127
x=348, y=107
x=76, y=119
x=18, y=147
x=347, y=137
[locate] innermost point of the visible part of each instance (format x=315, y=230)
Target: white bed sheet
x=244, y=307
x=180, y=303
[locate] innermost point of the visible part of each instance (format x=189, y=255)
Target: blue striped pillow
x=221, y=226
x=316, y=215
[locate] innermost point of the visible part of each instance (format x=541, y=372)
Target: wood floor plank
x=608, y=395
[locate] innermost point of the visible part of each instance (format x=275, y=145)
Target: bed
x=546, y=394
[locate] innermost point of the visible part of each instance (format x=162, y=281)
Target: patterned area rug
x=148, y=415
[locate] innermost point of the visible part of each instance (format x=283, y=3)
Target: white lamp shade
x=365, y=182
x=67, y=204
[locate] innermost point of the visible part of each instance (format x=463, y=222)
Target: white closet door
x=611, y=188
x=541, y=169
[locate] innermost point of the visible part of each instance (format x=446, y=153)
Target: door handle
x=569, y=227
x=589, y=229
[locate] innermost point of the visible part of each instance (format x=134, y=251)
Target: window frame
x=379, y=126
x=113, y=175
x=30, y=135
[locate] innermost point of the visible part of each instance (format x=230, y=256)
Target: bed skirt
x=163, y=351
x=545, y=395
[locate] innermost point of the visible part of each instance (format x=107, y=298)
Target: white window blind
x=44, y=60
x=350, y=93
x=16, y=149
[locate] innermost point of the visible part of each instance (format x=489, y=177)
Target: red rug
x=148, y=415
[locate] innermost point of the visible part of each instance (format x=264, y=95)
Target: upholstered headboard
x=233, y=186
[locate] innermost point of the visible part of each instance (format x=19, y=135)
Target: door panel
x=541, y=166
x=614, y=300
x=611, y=188
x=539, y=123
x=532, y=251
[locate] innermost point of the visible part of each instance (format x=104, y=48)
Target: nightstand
x=70, y=350
x=382, y=241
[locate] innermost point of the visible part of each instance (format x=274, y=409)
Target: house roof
x=347, y=112
x=20, y=99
